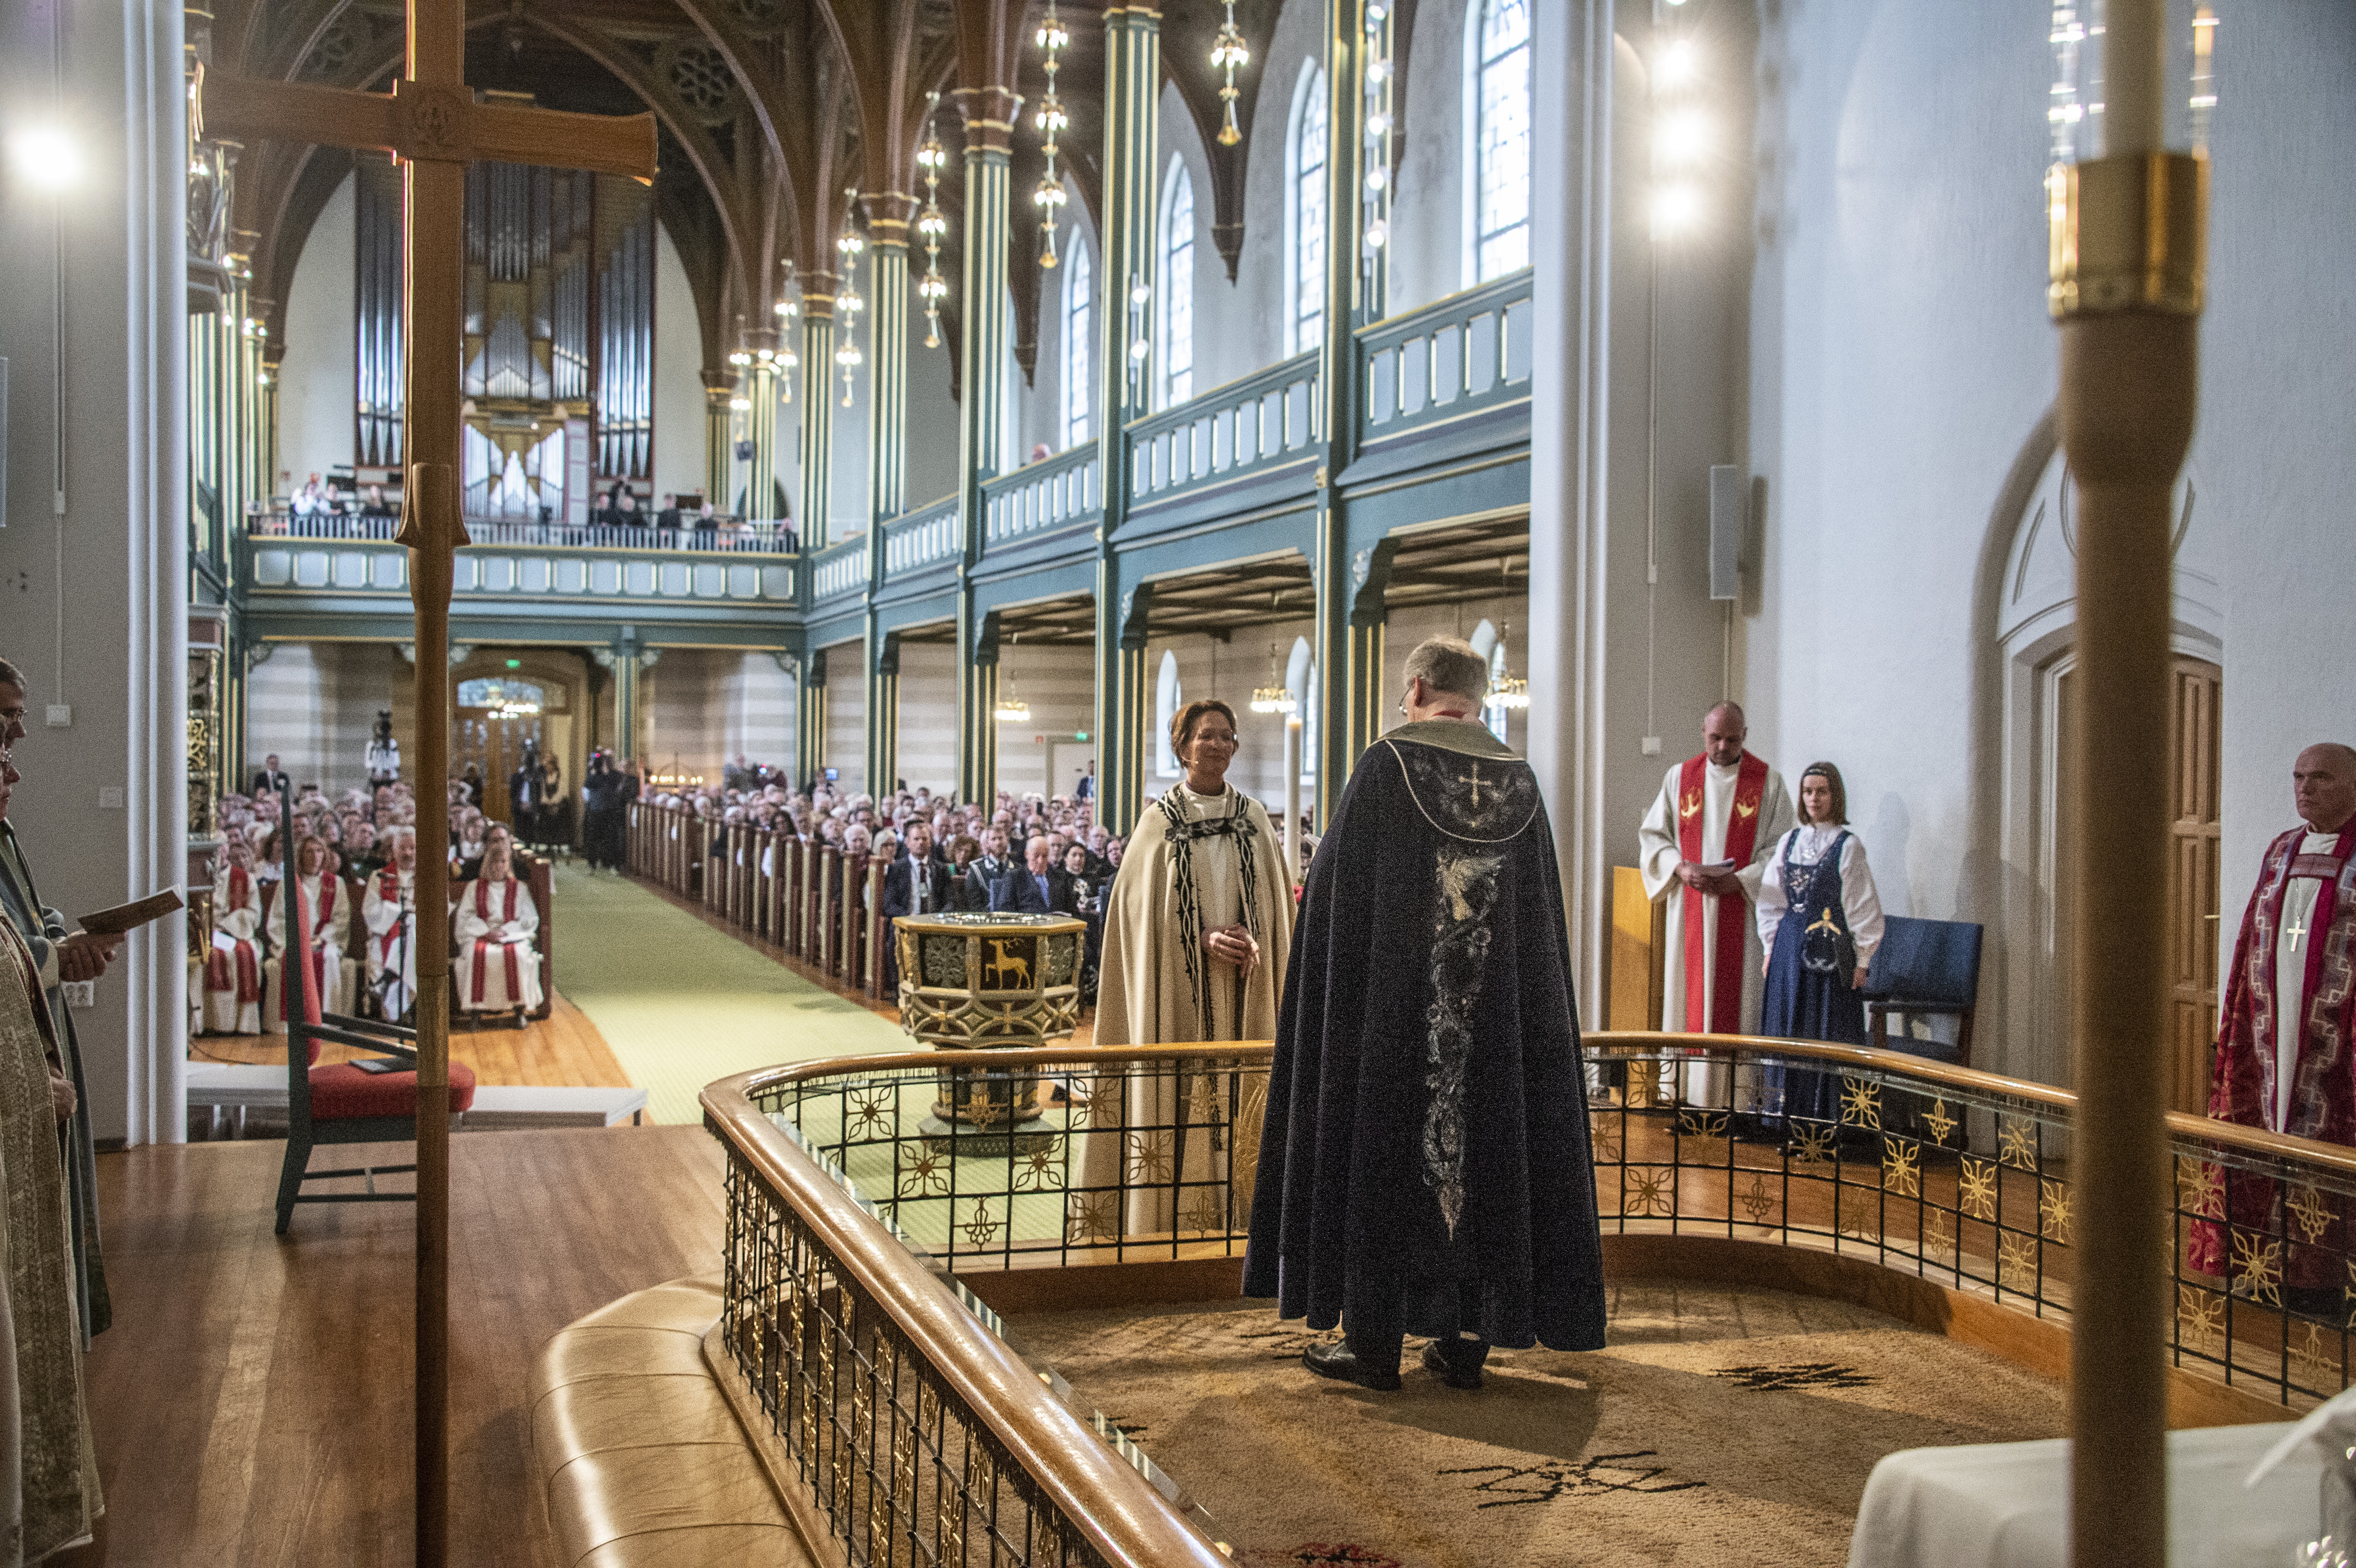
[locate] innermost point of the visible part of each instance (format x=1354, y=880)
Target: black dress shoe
x=1438, y=1362
x=1340, y=1362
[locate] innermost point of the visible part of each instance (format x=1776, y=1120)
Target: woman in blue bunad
x=1819, y=920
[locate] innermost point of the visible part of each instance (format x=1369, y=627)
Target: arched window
x=1079, y=343
x=1304, y=211
x=1177, y=290
x=1497, y=138
x=1167, y=699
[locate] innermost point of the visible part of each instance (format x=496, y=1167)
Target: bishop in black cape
x=1424, y=1166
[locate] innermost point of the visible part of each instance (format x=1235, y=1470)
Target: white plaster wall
x=315, y=380
x=1240, y=328
x=754, y=709
x=926, y=739
x=1427, y=210
x=1210, y=289
x=678, y=385
x=1039, y=402
x=2277, y=376
x=932, y=450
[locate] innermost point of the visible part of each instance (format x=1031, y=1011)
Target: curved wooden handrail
x=1607, y=1045
x=1130, y=1523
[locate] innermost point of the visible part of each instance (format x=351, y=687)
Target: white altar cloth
x=2004, y=1505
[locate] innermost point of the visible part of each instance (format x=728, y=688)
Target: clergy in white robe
x=329, y=904
x=389, y=910
x=1703, y=846
x=1198, y=927
x=2286, y=1034
x=233, y=967
x=498, y=963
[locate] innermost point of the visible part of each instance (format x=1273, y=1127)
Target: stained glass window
x=1497, y=54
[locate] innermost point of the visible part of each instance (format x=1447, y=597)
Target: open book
x=131, y=916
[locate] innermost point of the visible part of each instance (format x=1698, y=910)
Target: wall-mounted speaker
x=1728, y=511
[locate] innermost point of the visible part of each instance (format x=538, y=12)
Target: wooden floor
x=565, y=1049
x=251, y=1402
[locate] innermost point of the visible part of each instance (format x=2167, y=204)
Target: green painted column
x=1124, y=392
x=1344, y=659
x=883, y=707
x=719, y=438
x=818, y=408
x=761, y=425
x=988, y=115
x=810, y=727
x=889, y=216
x=1366, y=712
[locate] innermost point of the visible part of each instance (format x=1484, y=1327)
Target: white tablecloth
x=2004, y=1505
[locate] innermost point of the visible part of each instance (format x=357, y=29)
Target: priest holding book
x=1705, y=846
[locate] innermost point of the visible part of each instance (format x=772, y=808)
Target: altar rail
x=814, y=901
x=892, y=1396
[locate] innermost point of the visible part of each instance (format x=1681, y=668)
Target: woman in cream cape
x=1197, y=928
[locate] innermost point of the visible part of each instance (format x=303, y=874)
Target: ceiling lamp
x=1275, y=696
x=1012, y=709
x=1049, y=196
x=1229, y=54
x=1506, y=690
x=1376, y=198
x=932, y=157
x=847, y=301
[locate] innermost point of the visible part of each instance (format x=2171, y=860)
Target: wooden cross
x=433, y=126
x=1475, y=781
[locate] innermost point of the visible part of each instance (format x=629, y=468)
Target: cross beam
x=431, y=122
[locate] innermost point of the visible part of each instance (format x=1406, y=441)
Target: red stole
x=484, y=943
x=247, y=978
x=2242, y=1081
x=1741, y=839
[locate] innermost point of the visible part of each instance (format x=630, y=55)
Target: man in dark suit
x=988, y=867
x=271, y=778
x=1030, y=890
x=916, y=881
x=669, y=516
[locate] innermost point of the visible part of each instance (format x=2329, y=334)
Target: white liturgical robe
x=1683, y=962
x=2292, y=939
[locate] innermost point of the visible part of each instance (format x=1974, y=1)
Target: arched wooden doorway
x=500, y=703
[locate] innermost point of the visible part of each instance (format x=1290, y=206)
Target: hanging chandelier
x=1379, y=130
x=788, y=358
x=932, y=157
x=847, y=301
x=1507, y=691
x=1049, y=196
x=1229, y=54
x=1275, y=696
x=1012, y=709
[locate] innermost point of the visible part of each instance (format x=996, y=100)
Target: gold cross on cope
x=432, y=125
x=1475, y=781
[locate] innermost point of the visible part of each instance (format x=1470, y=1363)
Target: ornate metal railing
x=1264, y=419
x=921, y=538
x=1454, y=356
x=902, y=1426
x=1049, y=494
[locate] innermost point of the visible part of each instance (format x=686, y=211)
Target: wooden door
x=2194, y=757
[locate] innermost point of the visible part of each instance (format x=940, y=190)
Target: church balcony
x=1041, y=513
x=730, y=536
x=520, y=580
x=1238, y=447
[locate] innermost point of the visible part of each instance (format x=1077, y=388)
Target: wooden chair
x=345, y=1104
x=1925, y=968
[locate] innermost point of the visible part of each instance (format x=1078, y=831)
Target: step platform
x=230, y=1089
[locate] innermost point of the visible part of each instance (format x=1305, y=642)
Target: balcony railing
x=1047, y=495
x=862, y=1227
x=727, y=536
x=1453, y=357
x=839, y=569
x=921, y=538
x=1263, y=420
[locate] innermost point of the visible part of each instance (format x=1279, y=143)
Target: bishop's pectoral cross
x=2296, y=930
x=433, y=126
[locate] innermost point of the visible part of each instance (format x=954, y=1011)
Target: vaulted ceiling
x=769, y=112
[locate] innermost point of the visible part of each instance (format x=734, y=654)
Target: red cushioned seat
x=344, y=1092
